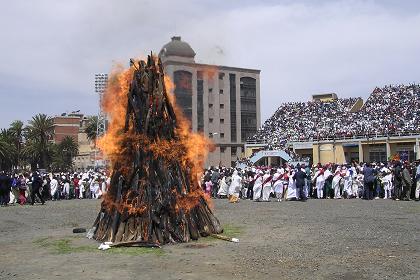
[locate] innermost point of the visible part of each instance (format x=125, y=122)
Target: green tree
x=91, y=128
x=38, y=134
x=7, y=150
x=16, y=130
x=63, y=154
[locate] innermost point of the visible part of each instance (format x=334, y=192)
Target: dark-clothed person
x=406, y=182
x=300, y=177
x=36, y=187
x=369, y=180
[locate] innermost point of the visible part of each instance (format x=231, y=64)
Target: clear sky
x=50, y=50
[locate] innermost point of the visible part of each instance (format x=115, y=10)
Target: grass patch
x=135, y=251
x=61, y=246
x=232, y=231
x=66, y=246
x=229, y=230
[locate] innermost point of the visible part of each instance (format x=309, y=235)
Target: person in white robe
x=291, y=189
x=266, y=186
x=258, y=180
x=319, y=183
x=278, y=184
x=387, y=182
x=336, y=184
x=53, y=188
x=223, y=188
x=235, y=187
x=348, y=182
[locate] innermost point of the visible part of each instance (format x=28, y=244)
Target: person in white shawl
x=336, y=184
x=223, y=188
x=291, y=189
x=266, y=186
x=348, y=182
x=235, y=187
x=320, y=182
x=257, y=186
x=53, y=187
x=387, y=182
x=278, y=183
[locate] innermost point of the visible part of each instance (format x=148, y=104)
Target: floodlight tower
x=101, y=81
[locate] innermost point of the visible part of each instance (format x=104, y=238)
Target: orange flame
x=190, y=150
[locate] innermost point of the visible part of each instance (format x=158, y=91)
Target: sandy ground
x=319, y=239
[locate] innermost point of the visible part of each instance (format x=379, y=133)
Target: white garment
x=66, y=188
x=257, y=187
x=94, y=189
x=223, y=187
x=387, y=182
x=266, y=187
x=320, y=182
x=278, y=184
x=81, y=189
x=235, y=185
x=348, y=182
x=336, y=186
x=103, y=187
x=291, y=190
x=53, y=186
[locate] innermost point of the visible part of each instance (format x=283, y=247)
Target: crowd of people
x=392, y=180
x=390, y=110
x=29, y=188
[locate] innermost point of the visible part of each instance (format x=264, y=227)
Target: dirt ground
x=319, y=239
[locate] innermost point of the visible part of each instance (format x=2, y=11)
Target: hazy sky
x=50, y=50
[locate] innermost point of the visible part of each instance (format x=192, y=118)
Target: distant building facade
x=221, y=102
x=74, y=125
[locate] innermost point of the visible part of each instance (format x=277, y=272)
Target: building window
x=200, y=102
x=210, y=90
x=210, y=105
x=221, y=91
x=233, y=151
x=210, y=120
x=222, y=149
x=232, y=95
x=222, y=106
x=210, y=135
x=221, y=75
x=183, y=91
x=248, y=101
x=222, y=121
x=222, y=135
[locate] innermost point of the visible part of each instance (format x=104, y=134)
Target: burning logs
x=154, y=195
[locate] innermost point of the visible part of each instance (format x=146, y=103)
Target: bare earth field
x=319, y=239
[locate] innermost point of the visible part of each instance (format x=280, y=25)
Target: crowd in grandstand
x=391, y=110
x=399, y=181
x=28, y=188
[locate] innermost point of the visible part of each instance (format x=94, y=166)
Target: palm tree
x=64, y=154
x=7, y=151
x=38, y=133
x=91, y=128
x=16, y=129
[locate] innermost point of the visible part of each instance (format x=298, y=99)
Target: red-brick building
x=66, y=126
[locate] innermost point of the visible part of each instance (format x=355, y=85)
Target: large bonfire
x=156, y=161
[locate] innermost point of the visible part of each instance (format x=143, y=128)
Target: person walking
x=369, y=180
x=397, y=181
x=406, y=182
x=299, y=178
x=36, y=187
x=417, y=192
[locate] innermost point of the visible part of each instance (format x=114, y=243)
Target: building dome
x=176, y=47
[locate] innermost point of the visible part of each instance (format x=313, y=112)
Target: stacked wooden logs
x=144, y=199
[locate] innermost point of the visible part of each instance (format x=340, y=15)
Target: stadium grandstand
x=331, y=129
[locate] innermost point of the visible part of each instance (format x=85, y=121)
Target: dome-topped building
x=222, y=102
x=177, y=50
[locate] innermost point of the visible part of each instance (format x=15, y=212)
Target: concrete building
x=221, y=102
x=74, y=125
